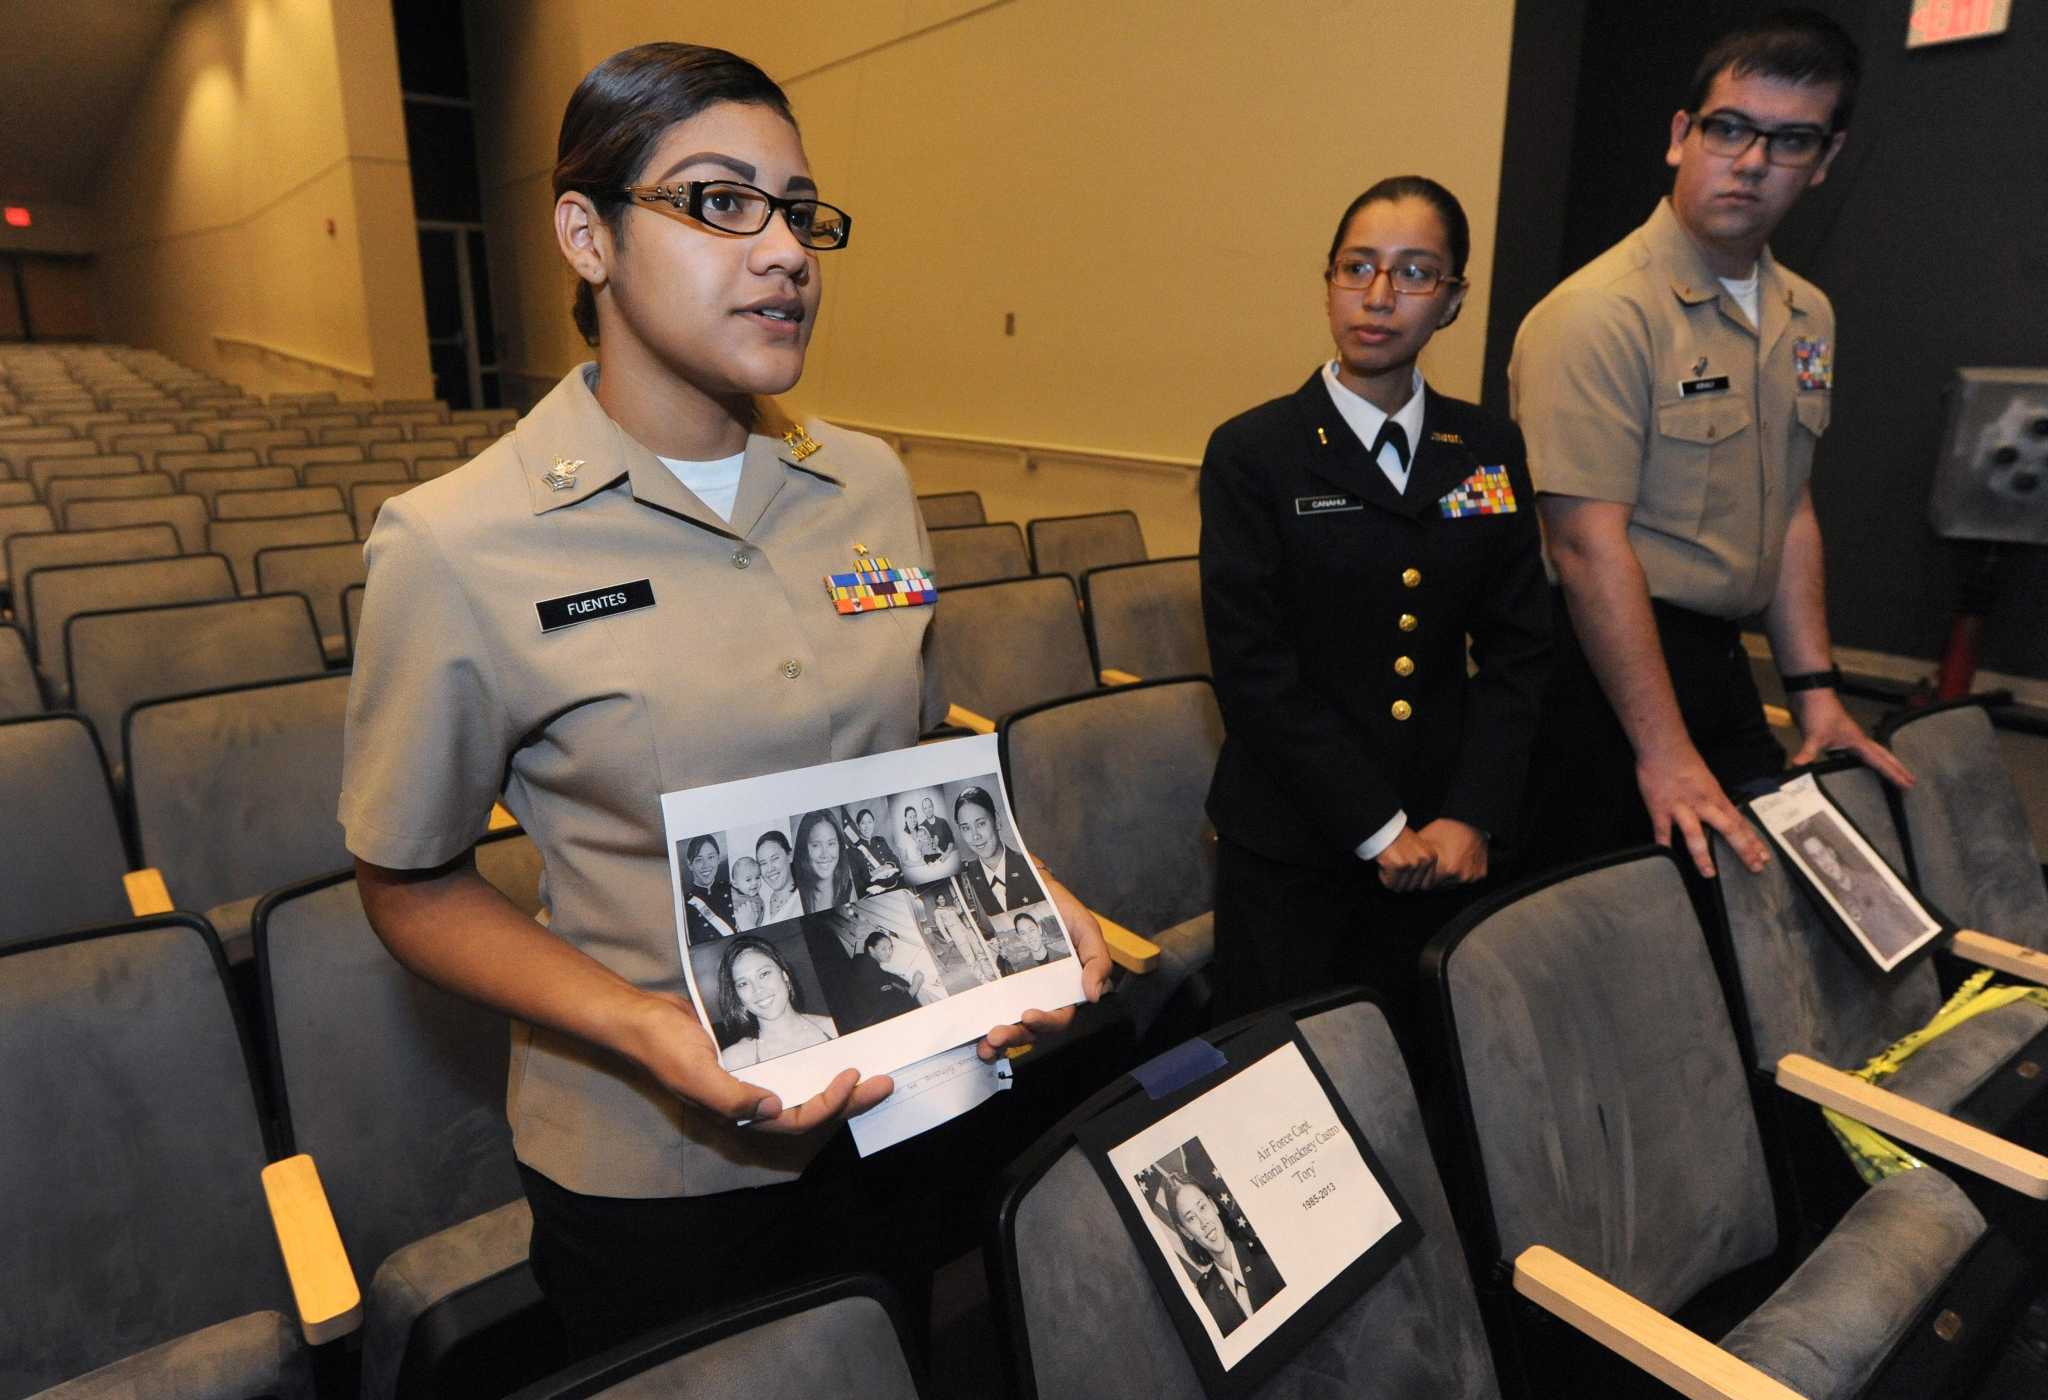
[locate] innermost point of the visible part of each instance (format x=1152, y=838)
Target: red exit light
x=18, y=217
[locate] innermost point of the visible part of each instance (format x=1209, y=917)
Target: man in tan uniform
x=1671, y=392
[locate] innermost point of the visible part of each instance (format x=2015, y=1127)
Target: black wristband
x=1830, y=679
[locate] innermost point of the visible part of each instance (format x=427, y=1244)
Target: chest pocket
x=1692, y=437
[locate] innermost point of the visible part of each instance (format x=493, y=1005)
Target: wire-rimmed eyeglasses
x=733, y=207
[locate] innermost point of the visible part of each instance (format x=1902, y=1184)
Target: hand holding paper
x=1035, y=1025
x=675, y=1050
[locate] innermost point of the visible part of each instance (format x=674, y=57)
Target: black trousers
x=1583, y=799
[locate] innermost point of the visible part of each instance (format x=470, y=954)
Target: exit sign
x=17, y=216
x=1946, y=21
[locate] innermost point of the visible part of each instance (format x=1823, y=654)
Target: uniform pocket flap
x=1814, y=410
x=1709, y=422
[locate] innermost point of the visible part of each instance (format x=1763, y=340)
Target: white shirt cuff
x=1371, y=846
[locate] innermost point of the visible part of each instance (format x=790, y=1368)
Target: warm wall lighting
x=18, y=217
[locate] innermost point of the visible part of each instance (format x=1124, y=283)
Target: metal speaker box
x=1992, y=480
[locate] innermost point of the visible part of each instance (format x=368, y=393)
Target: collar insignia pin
x=563, y=476
x=1699, y=366
x=801, y=443
x=1322, y=437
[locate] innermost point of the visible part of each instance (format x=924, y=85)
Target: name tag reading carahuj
x=598, y=602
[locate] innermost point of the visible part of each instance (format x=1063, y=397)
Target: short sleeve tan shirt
x=1614, y=384
x=740, y=667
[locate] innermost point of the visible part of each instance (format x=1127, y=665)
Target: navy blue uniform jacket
x=1334, y=605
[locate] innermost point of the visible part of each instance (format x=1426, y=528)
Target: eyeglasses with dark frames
x=1410, y=279
x=732, y=207
x=1794, y=147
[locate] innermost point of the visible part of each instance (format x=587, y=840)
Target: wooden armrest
x=967, y=719
x=1777, y=717
x=502, y=820
x=147, y=893
x=1131, y=951
x=323, y=1285
x=1637, y=1332
x=1986, y=951
x=1112, y=676
x=1916, y=1125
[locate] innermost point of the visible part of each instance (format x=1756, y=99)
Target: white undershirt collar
x=1365, y=417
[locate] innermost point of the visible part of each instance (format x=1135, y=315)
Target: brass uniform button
x=1402, y=709
x=740, y=559
x=1408, y=622
x=792, y=668
x=1411, y=578
x=1404, y=665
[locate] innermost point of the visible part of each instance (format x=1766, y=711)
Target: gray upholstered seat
x=66, y=489
x=17, y=493
x=209, y=482
x=44, y=470
x=234, y=793
x=1147, y=618
x=55, y=596
x=184, y=513
x=1609, y=1105
x=1804, y=992
x=835, y=1340
x=402, y=455
x=352, y=613
x=119, y=659
x=398, y=1091
x=277, y=501
x=148, y=446
x=129, y=1190
x=366, y=498
x=1074, y=544
x=427, y=468
x=239, y=540
x=963, y=554
x=1972, y=853
x=343, y=476
x=262, y=440
x=177, y=464
x=319, y=572
x=64, y=853
x=20, y=694
x=1092, y=1322
x=944, y=508
x=33, y=518
x=300, y=458
x=1138, y=847
x=26, y=553
x=1003, y=646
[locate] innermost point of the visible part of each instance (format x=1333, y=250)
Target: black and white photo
x=766, y=996
x=1212, y=1243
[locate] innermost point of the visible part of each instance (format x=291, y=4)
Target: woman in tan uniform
x=669, y=533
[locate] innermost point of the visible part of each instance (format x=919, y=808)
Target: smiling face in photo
x=978, y=830
x=821, y=847
x=704, y=864
x=760, y=985
x=774, y=863
x=1199, y=1218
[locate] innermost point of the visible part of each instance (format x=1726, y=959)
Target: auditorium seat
x=499, y=420
x=1966, y=828
x=107, y=435
x=212, y=481
x=66, y=489
x=1082, y=1316
x=841, y=1338
x=148, y=446
x=43, y=470
x=343, y=476
x=15, y=457
x=185, y=514
x=20, y=694
x=215, y=429
x=179, y=463
x=404, y=454
x=121, y=658
x=1004, y=646
x=427, y=468
x=27, y=553
x=142, y=1259
x=426, y=410
x=261, y=440
x=1146, y=619
x=1803, y=992
x=34, y=518
x=945, y=508
x=299, y=458
x=302, y=401
x=1074, y=544
x=65, y=857
x=352, y=614
x=320, y=573
x=366, y=498
x=360, y=436
x=276, y=501
x=1138, y=848
x=239, y=540
x=1604, y=1106
x=963, y=554
x=456, y=439
x=56, y=595
x=406, y=420
x=17, y=493
x=234, y=793
x=397, y=1089
x=313, y=424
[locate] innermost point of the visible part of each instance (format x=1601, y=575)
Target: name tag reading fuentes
x=598, y=602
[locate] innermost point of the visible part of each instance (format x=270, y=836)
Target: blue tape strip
x=1179, y=1067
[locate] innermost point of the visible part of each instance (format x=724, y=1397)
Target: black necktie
x=1392, y=432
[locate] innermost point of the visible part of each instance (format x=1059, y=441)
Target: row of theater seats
x=1636, y=1056
x=967, y=548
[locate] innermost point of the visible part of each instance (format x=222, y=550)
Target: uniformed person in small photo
x=1672, y=393
x=628, y=596
x=1355, y=534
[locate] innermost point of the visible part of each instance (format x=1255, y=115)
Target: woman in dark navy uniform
x=1354, y=534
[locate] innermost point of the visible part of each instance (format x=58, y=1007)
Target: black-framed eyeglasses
x=1794, y=147
x=1409, y=279
x=732, y=207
